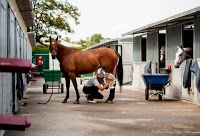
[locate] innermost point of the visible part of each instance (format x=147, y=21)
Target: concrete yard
x=129, y=115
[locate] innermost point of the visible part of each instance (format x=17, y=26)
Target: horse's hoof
x=108, y=101
x=64, y=101
x=76, y=102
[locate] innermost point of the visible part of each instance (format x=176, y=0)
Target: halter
x=182, y=56
x=55, y=48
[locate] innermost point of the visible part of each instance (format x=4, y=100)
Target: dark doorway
x=188, y=35
x=143, y=48
x=161, y=50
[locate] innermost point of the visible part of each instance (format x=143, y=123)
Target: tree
x=83, y=43
x=53, y=16
x=96, y=38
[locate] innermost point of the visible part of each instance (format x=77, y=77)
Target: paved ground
x=129, y=115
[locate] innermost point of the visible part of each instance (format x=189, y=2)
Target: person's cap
x=100, y=75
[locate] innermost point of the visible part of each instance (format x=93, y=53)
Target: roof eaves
x=170, y=21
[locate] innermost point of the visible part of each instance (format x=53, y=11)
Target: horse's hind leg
x=67, y=79
x=111, y=95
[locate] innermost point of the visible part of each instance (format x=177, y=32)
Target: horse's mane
x=188, y=50
x=73, y=48
x=66, y=51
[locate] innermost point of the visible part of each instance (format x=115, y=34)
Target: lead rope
x=52, y=88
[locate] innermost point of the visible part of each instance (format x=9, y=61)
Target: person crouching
x=92, y=87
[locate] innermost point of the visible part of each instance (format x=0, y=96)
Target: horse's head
x=181, y=55
x=162, y=53
x=53, y=47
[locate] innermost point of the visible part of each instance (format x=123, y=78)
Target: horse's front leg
x=67, y=80
x=72, y=76
x=76, y=89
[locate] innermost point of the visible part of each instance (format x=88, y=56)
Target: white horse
x=181, y=55
x=162, y=53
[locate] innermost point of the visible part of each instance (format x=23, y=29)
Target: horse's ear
x=57, y=38
x=49, y=38
x=181, y=47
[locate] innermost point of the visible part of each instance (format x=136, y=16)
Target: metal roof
x=31, y=36
x=111, y=42
x=26, y=9
x=170, y=21
x=102, y=44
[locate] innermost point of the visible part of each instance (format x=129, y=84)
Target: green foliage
x=80, y=48
x=53, y=16
x=96, y=38
x=40, y=48
x=83, y=43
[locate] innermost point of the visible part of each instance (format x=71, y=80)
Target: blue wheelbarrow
x=156, y=82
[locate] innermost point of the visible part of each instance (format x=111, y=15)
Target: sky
x=112, y=18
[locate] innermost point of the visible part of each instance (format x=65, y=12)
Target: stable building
x=180, y=29
x=15, y=52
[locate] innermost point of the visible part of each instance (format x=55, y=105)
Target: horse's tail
x=119, y=70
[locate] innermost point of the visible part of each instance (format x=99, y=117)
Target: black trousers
x=92, y=92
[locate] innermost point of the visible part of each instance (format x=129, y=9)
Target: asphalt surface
x=129, y=115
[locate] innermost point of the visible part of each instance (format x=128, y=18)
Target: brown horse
x=74, y=62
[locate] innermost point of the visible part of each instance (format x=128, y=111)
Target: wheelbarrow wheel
x=44, y=88
x=160, y=97
x=147, y=93
x=62, y=88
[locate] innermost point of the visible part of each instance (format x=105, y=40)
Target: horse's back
x=90, y=60
x=97, y=53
